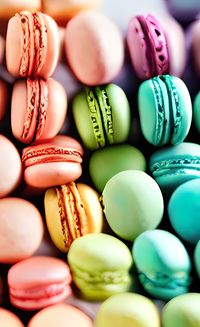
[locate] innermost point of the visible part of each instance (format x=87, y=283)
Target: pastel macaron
x=8, y=9
x=165, y=110
x=94, y=48
x=197, y=258
x=38, y=282
x=9, y=319
x=10, y=167
x=195, y=48
x=3, y=98
x=72, y=210
x=100, y=265
x=183, y=209
x=60, y=315
x=34, y=52
x=102, y=116
x=21, y=229
x=107, y=162
x=38, y=109
x=175, y=165
x=127, y=309
x=164, y=270
x=123, y=201
x=53, y=162
x=182, y=311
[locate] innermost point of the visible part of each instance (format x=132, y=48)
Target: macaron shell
x=9, y=319
x=94, y=48
x=60, y=315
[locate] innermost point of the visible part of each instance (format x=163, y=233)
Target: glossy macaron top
x=147, y=46
x=32, y=45
x=94, y=48
x=60, y=315
x=17, y=243
x=102, y=115
x=10, y=167
x=9, y=319
x=123, y=201
x=182, y=311
x=53, y=162
x=127, y=309
x=165, y=268
x=165, y=110
x=38, y=109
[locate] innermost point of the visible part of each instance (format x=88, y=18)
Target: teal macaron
x=163, y=264
x=184, y=210
x=102, y=116
x=175, y=165
x=100, y=265
x=165, y=110
x=197, y=258
x=107, y=162
x=133, y=203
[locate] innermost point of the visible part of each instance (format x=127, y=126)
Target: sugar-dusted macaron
x=21, y=229
x=165, y=110
x=9, y=8
x=175, y=165
x=10, y=167
x=62, y=10
x=183, y=210
x=38, y=282
x=163, y=264
x=197, y=258
x=3, y=98
x=60, y=315
x=195, y=47
x=9, y=319
x=182, y=311
x=94, y=48
x=100, y=265
x=34, y=52
x=124, y=207
x=196, y=111
x=72, y=210
x=127, y=309
x=107, y=162
x=102, y=116
x=38, y=109
x=52, y=162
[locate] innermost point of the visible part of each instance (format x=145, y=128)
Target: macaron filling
x=36, y=112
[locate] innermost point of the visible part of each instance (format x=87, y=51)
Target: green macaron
x=102, y=116
x=100, y=265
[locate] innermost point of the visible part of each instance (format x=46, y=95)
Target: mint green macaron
x=102, y=116
x=100, y=265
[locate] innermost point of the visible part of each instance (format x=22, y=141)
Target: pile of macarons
x=99, y=166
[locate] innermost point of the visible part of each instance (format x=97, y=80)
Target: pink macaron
x=53, y=162
x=21, y=229
x=9, y=319
x=3, y=98
x=38, y=109
x=94, y=48
x=32, y=45
x=10, y=167
x=195, y=28
x=38, y=282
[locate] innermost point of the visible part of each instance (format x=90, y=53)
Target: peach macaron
x=9, y=319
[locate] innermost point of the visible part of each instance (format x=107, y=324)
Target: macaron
x=72, y=210
x=100, y=265
x=21, y=229
x=38, y=109
x=9, y=8
x=183, y=210
x=132, y=203
x=164, y=270
x=197, y=258
x=182, y=311
x=60, y=315
x=195, y=48
x=38, y=282
x=175, y=165
x=52, y=162
x=127, y=309
x=165, y=110
x=10, y=167
x=94, y=48
x=107, y=162
x=63, y=11
x=102, y=116
x=9, y=319
x=3, y=98
x=34, y=52
x=196, y=111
